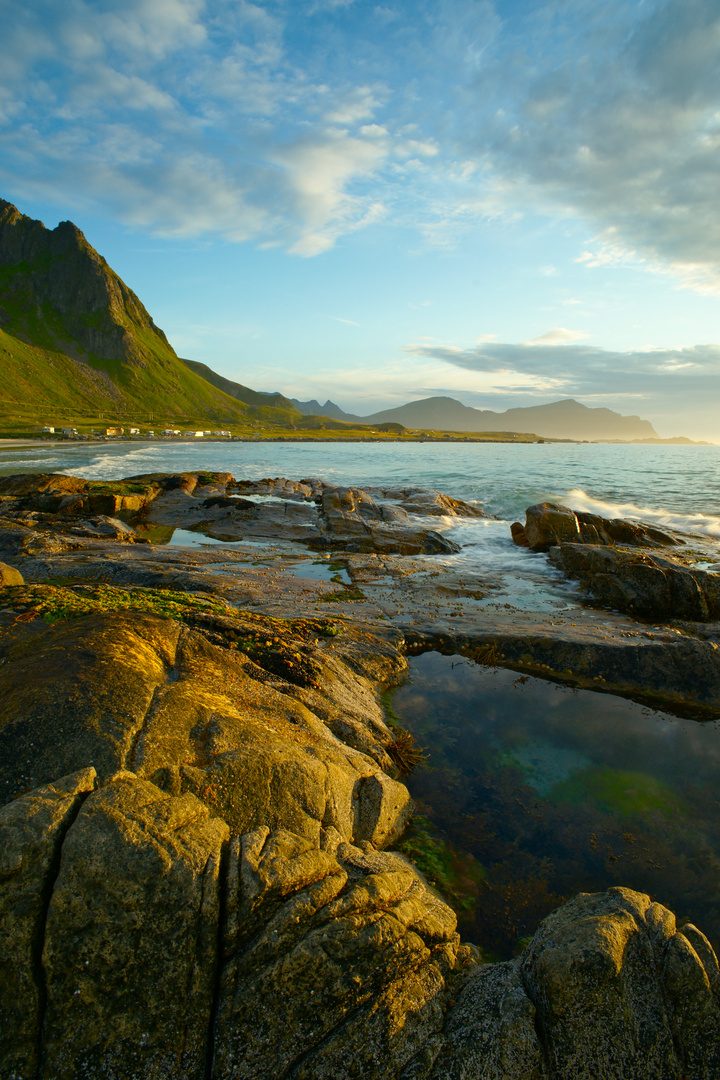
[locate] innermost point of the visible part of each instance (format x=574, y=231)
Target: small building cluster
x=115, y=432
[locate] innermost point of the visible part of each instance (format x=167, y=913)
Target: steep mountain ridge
x=74, y=337
x=54, y=281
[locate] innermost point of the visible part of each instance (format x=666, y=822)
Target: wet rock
x=548, y=524
x=427, y=501
x=32, y=830
x=354, y=522
x=647, y=585
x=517, y=532
x=10, y=576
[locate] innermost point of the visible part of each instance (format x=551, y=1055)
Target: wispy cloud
x=297, y=123
x=559, y=335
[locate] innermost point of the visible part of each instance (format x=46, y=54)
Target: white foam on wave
x=705, y=524
x=517, y=577
x=116, y=466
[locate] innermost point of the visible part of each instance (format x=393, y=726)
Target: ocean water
x=674, y=486
x=677, y=486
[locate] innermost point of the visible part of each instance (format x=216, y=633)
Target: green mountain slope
x=256, y=399
x=74, y=337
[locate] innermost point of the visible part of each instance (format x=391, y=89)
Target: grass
x=58, y=602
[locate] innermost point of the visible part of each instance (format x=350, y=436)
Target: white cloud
x=559, y=335
x=444, y=114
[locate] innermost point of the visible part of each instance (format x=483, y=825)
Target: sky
x=505, y=202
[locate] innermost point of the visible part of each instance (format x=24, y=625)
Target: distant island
x=80, y=352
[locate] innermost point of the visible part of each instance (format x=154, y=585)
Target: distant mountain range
x=566, y=419
x=75, y=338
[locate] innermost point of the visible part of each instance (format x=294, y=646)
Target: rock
x=490, y=1032
x=385, y=808
x=517, y=532
x=354, y=522
x=77, y=693
x=131, y=938
x=133, y=950
x=548, y=524
x=22, y=484
x=138, y=691
x=334, y=966
x=620, y=993
x=650, y=586
x=427, y=501
x=106, y=528
x=32, y=830
x=10, y=576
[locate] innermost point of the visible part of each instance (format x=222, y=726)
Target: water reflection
x=536, y=791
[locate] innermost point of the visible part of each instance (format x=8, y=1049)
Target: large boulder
x=548, y=524
x=139, y=691
x=621, y=992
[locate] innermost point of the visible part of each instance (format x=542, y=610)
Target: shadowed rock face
x=642, y=584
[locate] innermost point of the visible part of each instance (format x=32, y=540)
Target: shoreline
x=520, y=440
x=209, y=792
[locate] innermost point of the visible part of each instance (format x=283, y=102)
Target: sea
x=531, y=791
x=676, y=486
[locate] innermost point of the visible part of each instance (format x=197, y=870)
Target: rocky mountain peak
x=56, y=289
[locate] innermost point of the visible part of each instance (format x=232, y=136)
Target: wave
x=705, y=524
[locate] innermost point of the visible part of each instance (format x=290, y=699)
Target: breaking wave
x=705, y=524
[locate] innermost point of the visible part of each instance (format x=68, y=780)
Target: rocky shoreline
x=200, y=789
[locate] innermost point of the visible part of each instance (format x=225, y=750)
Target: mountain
x=314, y=408
x=74, y=337
x=566, y=419
x=257, y=399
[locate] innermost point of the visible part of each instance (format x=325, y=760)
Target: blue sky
x=507, y=202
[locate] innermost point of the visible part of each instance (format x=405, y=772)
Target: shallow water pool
x=533, y=791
